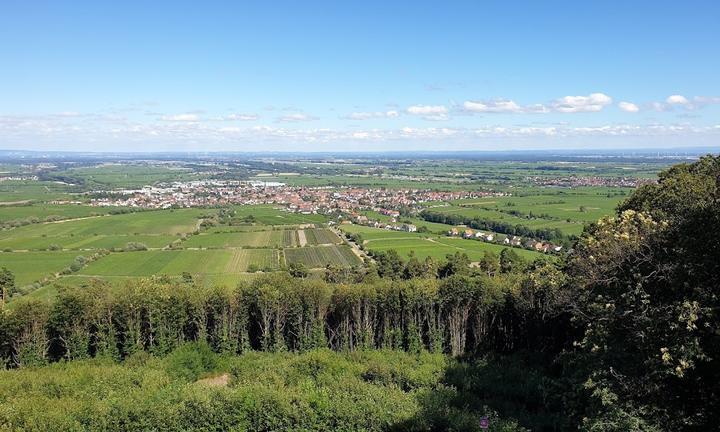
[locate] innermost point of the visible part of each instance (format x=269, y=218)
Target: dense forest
x=620, y=335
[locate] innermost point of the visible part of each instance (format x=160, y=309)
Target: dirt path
x=353, y=246
x=302, y=241
x=74, y=219
x=217, y=381
x=14, y=203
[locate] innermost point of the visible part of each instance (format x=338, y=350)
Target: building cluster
x=510, y=240
x=300, y=199
x=581, y=181
x=392, y=225
x=19, y=178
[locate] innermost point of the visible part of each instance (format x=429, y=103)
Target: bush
x=191, y=361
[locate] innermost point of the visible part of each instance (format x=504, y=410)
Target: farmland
x=44, y=211
x=318, y=236
x=424, y=245
x=320, y=256
x=268, y=238
x=33, y=266
x=47, y=222
x=271, y=215
x=148, y=263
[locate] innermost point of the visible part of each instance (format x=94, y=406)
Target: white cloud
x=241, y=117
x=572, y=104
x=496, y=106
x=430, y=112
x=296, y=117
x=568, y=104
x=677, y=100
x=55, y=132
x=706, y=100
x=372, y=115
x=181, y=117
x=427, y=110
x=628, y=107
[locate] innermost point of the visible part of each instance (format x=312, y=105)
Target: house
x=515, y=240
x=479, y=235
x=453, y=232
x=409, y=227
x=468, y=233
x=506, y=240
x=541, y=247
x=489, y=237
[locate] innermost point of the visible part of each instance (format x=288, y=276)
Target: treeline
x=460, y=315
x=478, y=223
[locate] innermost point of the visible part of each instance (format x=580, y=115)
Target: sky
x=358, y=76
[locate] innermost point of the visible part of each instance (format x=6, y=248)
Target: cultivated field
x=423, y=245
x=270, y=215
x=42, y=212
x=81, y=242
x=148, y=263
x=29, y=267
x=320, y=256
x=318, y=236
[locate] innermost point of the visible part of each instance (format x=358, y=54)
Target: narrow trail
x=353, y=246
x=302, y=240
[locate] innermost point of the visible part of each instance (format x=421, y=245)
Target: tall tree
x=7, y=285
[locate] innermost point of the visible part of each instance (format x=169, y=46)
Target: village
x=299, y=199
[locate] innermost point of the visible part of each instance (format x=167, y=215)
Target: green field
x=27, y=190
x=167, y=222
x=422, y=245
x=271, y=215
x=128, y=175
x=582, y=204
x=43, y=211
x=570, y=228
x=320, y=256
x=148, y=263
x=80, y=242
x=318, y=236
x=29, y=267
x=238, y=239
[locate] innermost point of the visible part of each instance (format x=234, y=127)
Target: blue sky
x=365, y=76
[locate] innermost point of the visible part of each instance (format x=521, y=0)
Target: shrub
x=191, y=361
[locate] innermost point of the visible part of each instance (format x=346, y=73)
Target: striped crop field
x=316, y=236
x=320, y=256
x=211, y=261
x=236, y=239
x=290, y=238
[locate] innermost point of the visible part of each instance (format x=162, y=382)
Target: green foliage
x=7, y=284
x=318, y=390
x=647, y=303
x=190, y=361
